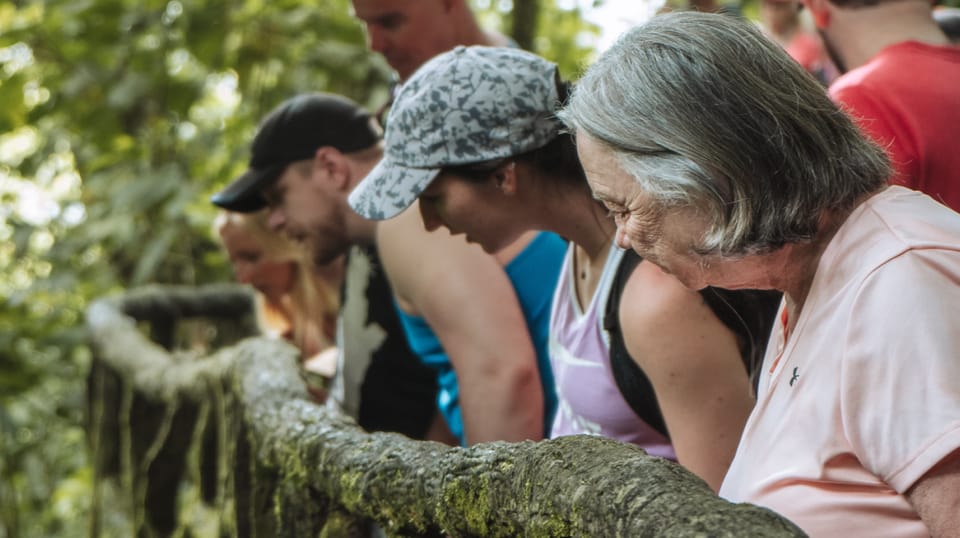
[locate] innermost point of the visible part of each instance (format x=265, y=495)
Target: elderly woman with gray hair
x=728, y=166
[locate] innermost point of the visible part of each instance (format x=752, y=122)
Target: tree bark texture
x=524, y=19
x=288, y=467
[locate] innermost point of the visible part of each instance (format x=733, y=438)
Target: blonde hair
x=311, y=304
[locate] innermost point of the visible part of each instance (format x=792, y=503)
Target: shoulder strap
x=749, y=314
x=632, y=382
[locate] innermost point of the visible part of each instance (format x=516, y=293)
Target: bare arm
x=468, y=301
x=439, y=432
x=936, y=497
x=694, y=365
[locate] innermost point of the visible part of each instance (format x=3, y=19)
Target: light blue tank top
x=589, y=399
x=534, y=274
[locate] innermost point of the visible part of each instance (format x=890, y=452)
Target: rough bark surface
x=288, y=467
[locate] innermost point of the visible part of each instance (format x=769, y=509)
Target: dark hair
x=948, y=19
x=856, y=3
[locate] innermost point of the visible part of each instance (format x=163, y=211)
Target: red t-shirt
x=907, y=98
x=806, y=50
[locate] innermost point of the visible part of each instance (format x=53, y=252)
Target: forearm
x=440, y=432
x=936, y=497
x=705, y=442
x=502, y=406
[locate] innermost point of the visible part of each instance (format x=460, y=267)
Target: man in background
x=409, y=32
x=306, y=156
x=900, y=84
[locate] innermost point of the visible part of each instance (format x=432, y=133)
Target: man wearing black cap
x=307, y=155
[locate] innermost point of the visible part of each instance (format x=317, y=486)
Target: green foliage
x=565, y=44
x=120, y=118
x=562, y=36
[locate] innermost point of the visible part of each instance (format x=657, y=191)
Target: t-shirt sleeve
x=900, y=385
x=881, y=125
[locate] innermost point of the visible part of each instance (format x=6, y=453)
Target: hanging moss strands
x=227, y=442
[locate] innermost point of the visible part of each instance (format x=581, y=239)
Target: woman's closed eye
x=616, y=212
x=245, y=257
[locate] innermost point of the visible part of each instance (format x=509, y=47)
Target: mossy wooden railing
x=237, y=427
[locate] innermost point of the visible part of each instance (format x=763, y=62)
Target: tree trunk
x=523, y=27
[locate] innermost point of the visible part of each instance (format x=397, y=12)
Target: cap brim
x=389, y=189
x=244, y=195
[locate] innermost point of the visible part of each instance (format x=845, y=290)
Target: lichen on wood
x=288, y=467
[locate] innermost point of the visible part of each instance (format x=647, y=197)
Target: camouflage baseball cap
x=468, y=105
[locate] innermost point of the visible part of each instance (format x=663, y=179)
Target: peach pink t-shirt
x=862, y=398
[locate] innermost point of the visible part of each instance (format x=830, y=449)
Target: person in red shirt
x=900, y=84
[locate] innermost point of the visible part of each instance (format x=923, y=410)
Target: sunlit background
x=39, y=199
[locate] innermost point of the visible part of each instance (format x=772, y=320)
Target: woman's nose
x=431, y=221
x=621, y=237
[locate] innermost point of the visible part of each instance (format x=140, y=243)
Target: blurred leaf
x=156, y=250
x=152, y=104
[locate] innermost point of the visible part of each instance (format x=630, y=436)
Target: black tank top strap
x=749, y=314
x=632, y=382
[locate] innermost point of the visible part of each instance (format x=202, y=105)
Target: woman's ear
x=506, y=178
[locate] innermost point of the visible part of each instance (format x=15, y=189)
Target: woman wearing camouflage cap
x=473, y=135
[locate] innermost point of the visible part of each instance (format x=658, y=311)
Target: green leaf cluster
x=560, y=33
x=119, y=119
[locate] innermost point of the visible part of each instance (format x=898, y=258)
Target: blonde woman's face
x=251, y=266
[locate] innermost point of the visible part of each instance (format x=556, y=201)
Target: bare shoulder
x=399, y=249
x=404, y=238
x=666, y=324
x=421, y=264
x=653, y=299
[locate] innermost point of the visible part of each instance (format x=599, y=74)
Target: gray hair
x=704, y=111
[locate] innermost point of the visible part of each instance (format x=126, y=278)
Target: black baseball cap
x=294, y=131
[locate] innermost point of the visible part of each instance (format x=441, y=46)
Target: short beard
x=322, y=258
